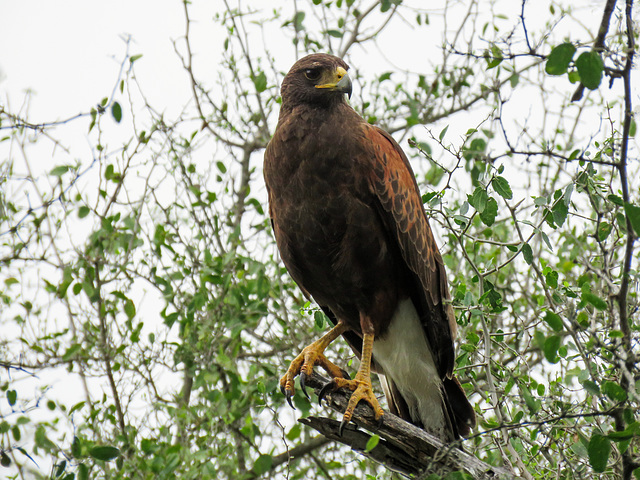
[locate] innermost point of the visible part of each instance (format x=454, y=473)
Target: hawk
x=352, y=232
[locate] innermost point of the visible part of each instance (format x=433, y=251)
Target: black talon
x=342, y=425
x=288, y=396
x=289, y=401
x=345, y=374
x=303, y=379
x=323, y=391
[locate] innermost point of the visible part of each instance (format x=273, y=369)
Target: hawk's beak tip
x=344, y=85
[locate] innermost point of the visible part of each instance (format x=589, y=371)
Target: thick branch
x=402, y=447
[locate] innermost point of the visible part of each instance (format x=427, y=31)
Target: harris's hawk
x=351, y=229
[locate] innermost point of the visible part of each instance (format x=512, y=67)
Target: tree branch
x=402, y=447
x=598, y=45
x=296, y=452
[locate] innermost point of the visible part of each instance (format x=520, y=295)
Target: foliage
x=146, y=317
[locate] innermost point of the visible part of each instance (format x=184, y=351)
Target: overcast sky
x=69, y=51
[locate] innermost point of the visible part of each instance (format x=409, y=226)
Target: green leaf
x=129, y=308
x=372, y=443
x=490, y=212
x=443, y=133
x=527, y=253
x=554, y=321
x=42, y=440
x=551, y=345
x=478, y=199
x=502, y=187
x=599, y=449
x=633, y=214
x=133, y=58
x=76, y=449
x=590, y=68
x=148, y=446
x=71, y=352
x=60, y=468
x=59, y=170
x=116, y=111
x=384, y=76
x=260, y=82
x=626, y=434
x=104, y=453
x=494, y=57
x=294, y=433
x=560, y=211
x=12, y=397
x=83, y=211
x=604, y=229
x=551, y=277
x=615, y=199
x=591, y=387
x=298, y=18
x=5, y=461
x=334, y=33
x=109, y=172
x=545, y=239
x=594, y=300
x=533, y=404
x=614, y=391
x=559, y=59
x=262, y=464
x=319, y=318
x=83, y=472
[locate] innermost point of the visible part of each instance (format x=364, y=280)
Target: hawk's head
x=318, y=79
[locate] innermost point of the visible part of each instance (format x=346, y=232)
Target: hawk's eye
x=312, y=74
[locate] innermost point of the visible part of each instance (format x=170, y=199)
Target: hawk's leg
x=310, y=356
x=361, y=384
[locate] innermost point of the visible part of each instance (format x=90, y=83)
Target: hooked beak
x=339, y=83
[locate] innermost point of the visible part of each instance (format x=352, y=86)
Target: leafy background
x=146, y=317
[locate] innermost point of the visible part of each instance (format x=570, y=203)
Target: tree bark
x=402, y=447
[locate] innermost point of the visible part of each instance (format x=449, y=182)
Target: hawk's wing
x=393, y=183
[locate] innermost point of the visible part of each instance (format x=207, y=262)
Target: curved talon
x=303, y=386
x=345, y=374
x=290, y=402
x=329, y=386
x=342, y=425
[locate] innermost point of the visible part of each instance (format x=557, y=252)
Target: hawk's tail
x=461, y=417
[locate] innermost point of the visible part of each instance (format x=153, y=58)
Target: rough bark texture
x=402, y=447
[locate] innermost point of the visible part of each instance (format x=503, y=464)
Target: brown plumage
x=351, y=229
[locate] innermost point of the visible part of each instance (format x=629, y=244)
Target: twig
x=598, y=45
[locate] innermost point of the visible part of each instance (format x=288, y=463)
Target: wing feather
x=393, y=183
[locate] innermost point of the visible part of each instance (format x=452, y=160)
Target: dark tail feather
x=395, y=401
x=460, y=410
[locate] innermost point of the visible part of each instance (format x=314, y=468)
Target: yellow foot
x=303, y=365
x=362, y=390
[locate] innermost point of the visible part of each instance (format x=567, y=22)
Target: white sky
x=69, y=51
